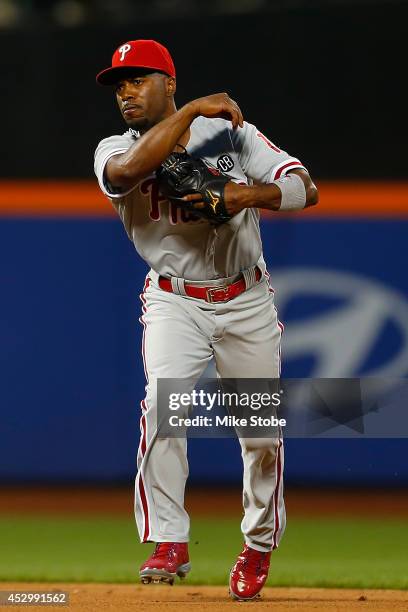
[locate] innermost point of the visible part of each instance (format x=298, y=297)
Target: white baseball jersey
x=174, y=242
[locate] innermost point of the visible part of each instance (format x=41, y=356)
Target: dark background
x=322, y=79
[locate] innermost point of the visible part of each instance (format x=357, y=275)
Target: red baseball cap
x=137, y=54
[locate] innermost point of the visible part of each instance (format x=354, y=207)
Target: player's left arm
x=293, y=191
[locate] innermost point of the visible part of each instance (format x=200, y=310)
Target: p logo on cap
x=148, y=54
x=123, y=50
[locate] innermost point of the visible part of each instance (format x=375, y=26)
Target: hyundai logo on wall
x=349, y=325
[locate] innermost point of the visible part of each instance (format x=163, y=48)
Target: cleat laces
x=163, y=550
x=253, y=561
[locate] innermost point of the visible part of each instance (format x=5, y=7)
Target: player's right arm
x=125, y=170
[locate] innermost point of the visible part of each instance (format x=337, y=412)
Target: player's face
x=144, y=99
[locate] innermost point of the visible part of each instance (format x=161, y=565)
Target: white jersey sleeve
x=106, y=149
x=260, y=159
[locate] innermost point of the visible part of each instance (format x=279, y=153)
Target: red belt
x=211, y=294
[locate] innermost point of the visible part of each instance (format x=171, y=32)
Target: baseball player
x=206, y=295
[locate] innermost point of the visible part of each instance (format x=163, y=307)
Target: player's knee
x=265, y=444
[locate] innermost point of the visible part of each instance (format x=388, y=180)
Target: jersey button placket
x=210, y=255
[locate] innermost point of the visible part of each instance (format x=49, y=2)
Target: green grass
x=325, y=552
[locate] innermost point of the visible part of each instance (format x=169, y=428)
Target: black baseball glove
x=180, y=175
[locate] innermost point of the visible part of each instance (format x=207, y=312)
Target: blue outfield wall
x=71, y=370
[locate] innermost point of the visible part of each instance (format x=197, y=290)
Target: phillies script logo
x=149, y=187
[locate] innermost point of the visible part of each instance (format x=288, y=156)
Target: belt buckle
x=213, y=290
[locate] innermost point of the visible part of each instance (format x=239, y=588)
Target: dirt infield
x=201, y=502
x=118, y=598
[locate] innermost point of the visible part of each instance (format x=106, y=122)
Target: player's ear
x=171, y=86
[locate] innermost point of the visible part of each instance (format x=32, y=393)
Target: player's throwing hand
x=218, y=105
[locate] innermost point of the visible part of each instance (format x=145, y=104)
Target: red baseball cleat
x=249, y=574
x=169, y=559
